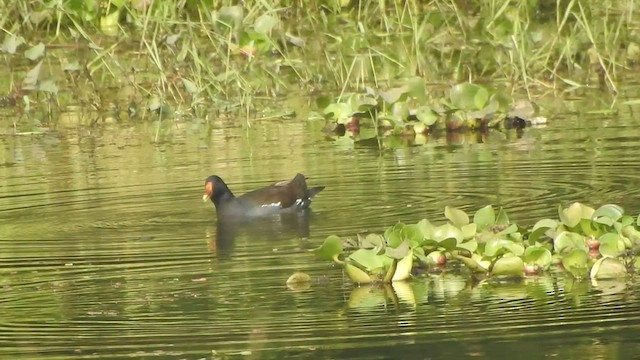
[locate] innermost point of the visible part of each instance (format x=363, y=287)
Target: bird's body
x=281, y=197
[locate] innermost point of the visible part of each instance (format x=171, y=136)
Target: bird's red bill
x=208, y=191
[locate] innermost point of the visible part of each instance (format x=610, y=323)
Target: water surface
x=107, y=250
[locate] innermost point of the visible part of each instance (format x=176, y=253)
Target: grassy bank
x=127, y=58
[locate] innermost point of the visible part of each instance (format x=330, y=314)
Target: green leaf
x=398, y=252
x=330, y=249
x=485, y=217
x=496, y=247
x=372, y=241
x=608, y=268
x=508, y=231
x=568, y=241
x=447, y=231
x=393, y=235
x=357, y=275
x=471, y=245
x=538, y=255
x=502, y=218
x=394, y=95
x=611, y=245
x=11, y=43
x=540, y=228
x=35, y=52
x=473, y=264
x=413, y=234
x=190, y=86
x=426, y=228
x=427, y=116
x=468, y=231
x=612, y=211
x=576, y=262
x=265, y=23
x=508, y=266
x=368, y=259
x=341, y=111
x=449, y=244
x=458, y=217
x=48, y=86
x=570, y=216
x=32, y=76
x=403, y=268
x=468, y=97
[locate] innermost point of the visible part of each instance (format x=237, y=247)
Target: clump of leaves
x=583, y=241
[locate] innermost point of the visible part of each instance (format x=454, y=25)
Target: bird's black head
x=216, y=190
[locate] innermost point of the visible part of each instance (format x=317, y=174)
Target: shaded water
x=107, y=250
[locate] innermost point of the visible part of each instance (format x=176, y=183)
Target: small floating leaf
x=473, y=265
x=496, y=247
x=403, y=268
x=398, y=252
x=540, y=228
x=612, y=211
x=607, y=268
x=35, y=52
x=538, y=255
x=458, y=217
x=48, y=86
x=190, y=86
x=502, y=218
x=485, y=217
x=611, y=245
x=413, y=234
x=32, y=76
x=567, y=241
x=330, y=249
x=298, y=277
x=370, y=260
x=471, y=245
x=426, y=228
x=447, y=231
x=11, y=43
x=570, y=216
x=508, y=266
x=576, y=262
x=265, y=23
x=357, y=275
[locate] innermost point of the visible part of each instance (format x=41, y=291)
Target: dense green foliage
x=585, y=242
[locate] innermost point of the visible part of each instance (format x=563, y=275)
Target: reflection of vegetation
x=195, y=55
x=599, y=243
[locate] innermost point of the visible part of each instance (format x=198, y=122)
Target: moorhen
x=281, y=197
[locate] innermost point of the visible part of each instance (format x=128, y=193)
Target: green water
x=107, y=251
